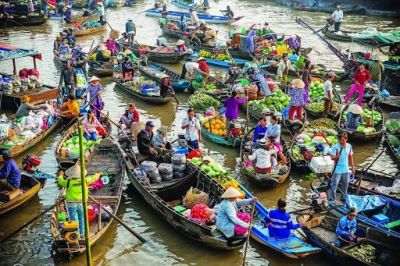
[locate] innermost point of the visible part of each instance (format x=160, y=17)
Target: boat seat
x=6, y=196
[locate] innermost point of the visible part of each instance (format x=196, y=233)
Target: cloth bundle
x=166, y=171
x=178, y=165
x=151, y=170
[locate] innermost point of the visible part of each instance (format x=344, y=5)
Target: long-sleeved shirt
x=345, y=226
x=296, y=97
x=90, y=126
x=145, y=142
x=273, y=131
x=203, y=66
x=263, y=157
x=11, y=172
x=353, y=121
x=376, y=69
x=63, y=49
x=232, y=107
x=362, y=77
x=284, y=68
x=73, y=185
x=280, y=224
x=159, y=140
x=100, y=10
x=227, y=216
x=263, y=84
x=259, y=131
x=68, y=76
x=130, y=27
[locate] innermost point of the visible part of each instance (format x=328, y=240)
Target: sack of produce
x=153, y=175
x=165, y=169
x=140, y=173
x=167, y=177
x=148, y=165
x=179, y=174
x=252, y=91
x=178, y=159
x=179, y=167
x=195, y=196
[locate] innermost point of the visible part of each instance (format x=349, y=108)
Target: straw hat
x=231, y=192
x=355, y=109
x=207, y=158
x=94, y=78
x=128, y=52
x=266, y=111
x=162, y=130
x=200, y=58
x=330, y=74
x=180, y=42
x=163, y=76
x=298, y=83
x=262, y=142
x=102, y=47
x=74, y=171
x=373, y=87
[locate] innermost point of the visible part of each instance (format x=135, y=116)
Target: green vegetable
x=393, y=140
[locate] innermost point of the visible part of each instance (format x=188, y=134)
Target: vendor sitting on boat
x=228, y=12
x=354, y=118
x=263, y=157
x=279, y=222
x=165, y=86
x=69, y=109
x=63, y=49
x=259, y=130
x=145, y=141
x=92, y=128
x=127, y=68
x=346, y=229
x=130, y=116
x=73, y=194
x=227, y=213
x=181, y=46
x=10, y=175
x=160, y=138
x=26, y=107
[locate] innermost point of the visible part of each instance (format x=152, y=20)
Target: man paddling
x=337, y=17
x=10, y=175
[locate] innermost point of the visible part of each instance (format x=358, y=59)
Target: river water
x=32, y=246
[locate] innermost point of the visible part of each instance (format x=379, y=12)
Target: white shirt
x=195, y=19
x=263, y=157
x=327, y=88
x=192, y=67
x=192, y=132
x=337, y=15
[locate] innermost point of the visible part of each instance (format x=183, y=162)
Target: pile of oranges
x=216, y=126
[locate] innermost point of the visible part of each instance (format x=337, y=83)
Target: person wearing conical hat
x=160, y=138
x=181, y=46
x=165, y=86
x=263, y=156
x=354, y=118
x=73, y=194
x=296, y=93
x=96, y=101
x=227, y=213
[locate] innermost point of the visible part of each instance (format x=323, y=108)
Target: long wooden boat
x=392, y=103
x=329, y=9
x=181, y=35
x=392, y=150
x=101, y=69
x=293, y=247
x=152, y=99
x=78, y=18
x=80, y=33
x=263, y=180
x=187, y=5
x=115, y=3
x=175, y=15
x=20, y=20
x=230, y=142
x=344, y=36
x=320, y=231
x=155, y=71
x=64, y=160
x=106, y=157
x=361, y=136
x=219, y=63
x=164, y=204
x=26, y=145
x=233, y=52
x=29, y=188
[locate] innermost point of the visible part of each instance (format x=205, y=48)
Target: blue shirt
x=345, y=226
x=226, y=216
x=274, y=131
x=259, y=131
x=11, y=172
x=353, y=121
x=130, y=26
x=280, y=224
x=342, y=166
x=296, y=97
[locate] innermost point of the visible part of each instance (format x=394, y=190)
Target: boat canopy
x=385, y=39
x=9, y=52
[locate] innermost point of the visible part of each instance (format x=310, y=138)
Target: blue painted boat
x=231, y=142
x=190, y=5
x=292, y=247
x=154, y=72
x=175, y=15
x=218, y=63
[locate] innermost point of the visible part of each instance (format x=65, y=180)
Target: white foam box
x=322, y=165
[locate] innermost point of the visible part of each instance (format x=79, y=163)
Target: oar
x=253, y=207
x=31, y=221
x=119, y=221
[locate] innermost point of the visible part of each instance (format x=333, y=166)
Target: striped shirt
x=280, y=224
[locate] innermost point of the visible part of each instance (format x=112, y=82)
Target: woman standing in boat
x=95, y=99
x=361, y=78
x=227, y=212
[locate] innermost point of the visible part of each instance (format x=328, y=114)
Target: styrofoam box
x=322, y=165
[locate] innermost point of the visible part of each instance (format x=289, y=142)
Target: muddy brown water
x=32, y=246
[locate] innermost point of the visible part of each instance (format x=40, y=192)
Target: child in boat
x=262, y=156
x=92, y=127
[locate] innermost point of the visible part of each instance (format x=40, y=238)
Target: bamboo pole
x=84, y=196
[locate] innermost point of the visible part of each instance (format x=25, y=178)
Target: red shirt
x=204, y=67
x=362, y=77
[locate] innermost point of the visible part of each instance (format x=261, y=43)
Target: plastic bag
x=153, y=175
x=148, y=165
x=179, y=167
x=179, y=174
x=140, y=173
x=165, y=169
x=195, y=196
x=167, y=177
x=178, y=159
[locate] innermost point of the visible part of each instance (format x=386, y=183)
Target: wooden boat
x=345, y=36
x=329, y=9
x=392, y=103
x=392, y=150
x=80, y=33
x=23, y=20
x=115, y=3
x=164, y=203
x=152, y=99
x=175, y=16
x=219, y=63
x=106, y=157
x=64, y=160
x=231, y=142
x=155, y=71
x=320, y=231
x=263, y=180
x=29, y=188
x=29, y=143
x=78, y=18
x=80, y=4
x=101, y=69
x=181, y=35
x=325, y=125
x=233, y=52
x=361, y=136
x=190, y=5
x=293, y=247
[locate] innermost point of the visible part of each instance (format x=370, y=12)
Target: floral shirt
x=297, y=96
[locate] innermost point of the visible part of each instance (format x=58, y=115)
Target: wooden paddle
x=253, y=207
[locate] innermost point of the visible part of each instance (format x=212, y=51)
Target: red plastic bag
x=245, y=217
x=23, y=73
x=33, y=72
x=196, y=153
x=101, y=131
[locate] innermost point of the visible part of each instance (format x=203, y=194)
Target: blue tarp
x=8, y=52
x=365, y=203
